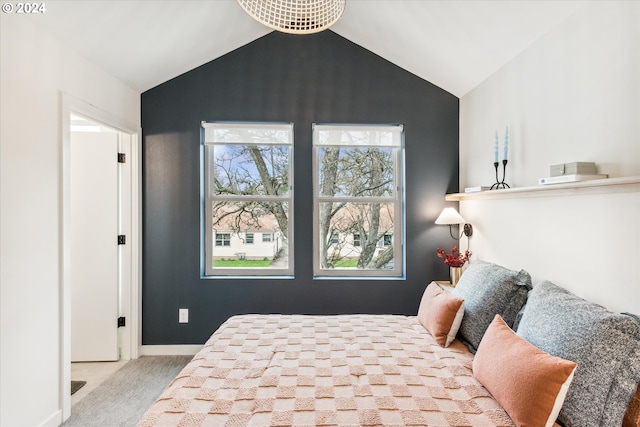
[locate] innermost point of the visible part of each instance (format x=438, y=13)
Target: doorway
x=107, y=133
x=96, y=217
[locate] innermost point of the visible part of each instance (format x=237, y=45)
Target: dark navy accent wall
x=320, y=78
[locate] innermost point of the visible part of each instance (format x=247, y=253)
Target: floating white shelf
x=596, y=186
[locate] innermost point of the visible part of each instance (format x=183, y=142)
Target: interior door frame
x=131, y=295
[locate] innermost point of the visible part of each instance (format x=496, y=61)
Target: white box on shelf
x=570, y=178
x=573, y=168
x=476, y=189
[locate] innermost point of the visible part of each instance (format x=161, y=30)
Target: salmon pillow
x=441, y=314
x=529, y=384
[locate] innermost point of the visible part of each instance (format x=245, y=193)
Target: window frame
x=207, y=199
x=225, y=239
x=397, y=201
x=334, y=239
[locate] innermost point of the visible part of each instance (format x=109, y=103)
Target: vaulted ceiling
x=453, y=44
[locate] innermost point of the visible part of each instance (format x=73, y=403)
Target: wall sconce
x=450, y=216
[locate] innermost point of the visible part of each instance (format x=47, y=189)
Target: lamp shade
x=450, y=216
x=295, y=16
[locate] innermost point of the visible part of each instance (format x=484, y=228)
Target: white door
x=94, y=246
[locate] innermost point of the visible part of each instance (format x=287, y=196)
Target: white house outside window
x=358, y=206
x=248, y=188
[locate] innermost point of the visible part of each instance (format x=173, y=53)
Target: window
x=223, y=239
x=248, y=188
x=358, y=188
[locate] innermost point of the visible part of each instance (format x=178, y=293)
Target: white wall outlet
x=183, y=315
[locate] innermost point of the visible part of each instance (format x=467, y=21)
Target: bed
x=347, y=370
x=389, y=370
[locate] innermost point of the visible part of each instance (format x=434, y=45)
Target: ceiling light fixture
x=295, y=16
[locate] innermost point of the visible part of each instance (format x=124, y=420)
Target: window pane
x=235, y=224
x=359, y=170
x=222, y=239
x=249, y=195
x=356, y=172
x=249, y=170
x=354, y=235
x=370, y=135
x=248, y=133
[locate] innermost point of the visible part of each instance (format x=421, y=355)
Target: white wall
x=574, y=95
x=35, y=69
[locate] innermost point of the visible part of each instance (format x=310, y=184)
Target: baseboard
x=54, y=420
x=170, y=350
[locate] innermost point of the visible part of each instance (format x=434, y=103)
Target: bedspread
x=343, y=370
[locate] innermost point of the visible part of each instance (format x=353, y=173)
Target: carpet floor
x=123, y=398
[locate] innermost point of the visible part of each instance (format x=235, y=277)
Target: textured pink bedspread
x=346, y=370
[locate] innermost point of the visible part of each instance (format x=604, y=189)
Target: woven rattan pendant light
x=295, y=16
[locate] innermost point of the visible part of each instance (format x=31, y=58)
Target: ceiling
x=453, y=44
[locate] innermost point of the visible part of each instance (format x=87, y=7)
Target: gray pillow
x=489, y=289
x=605, y=345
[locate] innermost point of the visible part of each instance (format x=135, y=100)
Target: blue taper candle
x=506, y=144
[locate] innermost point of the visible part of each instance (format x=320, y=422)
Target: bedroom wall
x=299, y=79
x=574, y=95
x=34, y=70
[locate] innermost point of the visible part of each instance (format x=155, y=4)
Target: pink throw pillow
x=441, y=314
x=530, y=384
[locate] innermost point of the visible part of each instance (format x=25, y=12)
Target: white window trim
x=398, y=203
x=222, y=239
x=208, y=242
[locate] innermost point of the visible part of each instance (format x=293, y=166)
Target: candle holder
x=500, y=184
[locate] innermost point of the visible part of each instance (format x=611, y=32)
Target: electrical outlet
x=183, y=315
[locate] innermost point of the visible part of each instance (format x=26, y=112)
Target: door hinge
x=122, y=239
x=121, y=322
x=122, y=158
